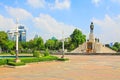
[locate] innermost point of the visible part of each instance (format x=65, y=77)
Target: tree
x=3, y=40
x=9, y=45
x=36, y=43
x=77, y=37
x=72, y=46
x=24, y=45
x=50, y=44
x=116, y=46
x=39, y=43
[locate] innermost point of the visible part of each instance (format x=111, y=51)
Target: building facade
x=21, y=32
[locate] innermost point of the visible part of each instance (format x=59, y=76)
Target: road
x=79, y=67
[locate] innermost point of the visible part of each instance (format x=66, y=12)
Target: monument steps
x=107, y=50
x=78, y=50
x=104, y=50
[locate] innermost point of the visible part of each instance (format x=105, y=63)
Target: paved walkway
x=78, y=68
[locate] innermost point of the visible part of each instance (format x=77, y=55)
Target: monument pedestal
x=17, y=60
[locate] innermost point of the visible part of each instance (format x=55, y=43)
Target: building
x=22, y=34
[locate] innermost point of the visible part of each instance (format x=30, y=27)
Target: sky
x=48, y=18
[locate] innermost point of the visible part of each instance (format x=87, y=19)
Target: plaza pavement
x=79, y=67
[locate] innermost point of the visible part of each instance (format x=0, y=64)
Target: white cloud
x=61, y=4
x=36, y=3
x=56, y=4
x=20, y=13
x=110, y=28
x=6, y=23
x=50, y=27
x=118, y=1
x=96, y=2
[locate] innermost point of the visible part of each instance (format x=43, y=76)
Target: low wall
x=86, y=53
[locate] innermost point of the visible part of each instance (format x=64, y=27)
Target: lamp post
x=62, y=45
x=16, y=32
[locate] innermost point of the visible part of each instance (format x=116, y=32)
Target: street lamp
x=62, y=45
x=16, y=33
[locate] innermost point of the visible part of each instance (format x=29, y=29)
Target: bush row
x=16, y=64
x=3, y=61
x=29, y=60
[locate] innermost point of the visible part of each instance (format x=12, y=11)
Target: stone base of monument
x=17, y=60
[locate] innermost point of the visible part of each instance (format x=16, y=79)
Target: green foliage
x=62, y=59
x=116, y=46
x=5, y=44
x=77, y=37
x=50, y=44
x=3, y=40
x=12, y=52
x=39, y=43
x=30, y=60
x=33, y=59
x=72, y=46
x=24, y=45
x=3, y=35
x=16, y=64
x=12, y=62
x=9, y=45
x=36, y=43
x=70, y=43
x=36, y=54
x=46, y=53
x=3, y=61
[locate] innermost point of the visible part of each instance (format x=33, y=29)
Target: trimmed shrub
x=12, y=52
x=48, y=58
x=3, y=61
x=36, y=54
x=46, y=53
x=30, y=60
x=62, y=59
x=33, y=59
x=16, y=64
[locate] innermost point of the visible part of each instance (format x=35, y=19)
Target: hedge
x=16, y=64
x=30, y=60
x=34, y=59
x=3, y=61
x=62, y=59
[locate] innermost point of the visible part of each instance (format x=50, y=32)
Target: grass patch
x=39, y=59
x=62, y=59
x=3, y=61
x=11, y=61
x=16, y=64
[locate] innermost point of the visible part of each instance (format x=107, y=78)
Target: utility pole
x=17, y=33
x=62, y=44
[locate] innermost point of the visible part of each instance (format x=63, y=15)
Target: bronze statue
x=91, y=27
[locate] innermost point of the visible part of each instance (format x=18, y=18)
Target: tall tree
x=50, y=44
x=77, y=37
x=39, y=43
x=116, y=46
x=3, y=40
x=36, y=43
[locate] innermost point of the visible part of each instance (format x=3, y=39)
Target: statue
x=91, y=27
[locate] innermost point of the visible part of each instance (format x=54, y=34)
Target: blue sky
x=49, y=18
